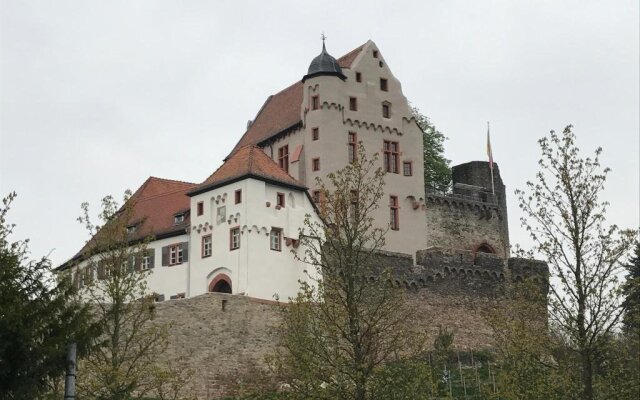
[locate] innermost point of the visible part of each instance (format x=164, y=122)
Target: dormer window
x=131, y=229
x=178, y=218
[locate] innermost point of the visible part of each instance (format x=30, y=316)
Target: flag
x=489, y=152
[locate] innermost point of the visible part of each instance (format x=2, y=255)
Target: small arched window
x=485, y=248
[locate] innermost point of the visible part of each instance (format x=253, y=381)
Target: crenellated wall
x=227, y=337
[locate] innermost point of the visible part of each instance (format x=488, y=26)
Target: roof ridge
x=155, y=196
x=170, y=180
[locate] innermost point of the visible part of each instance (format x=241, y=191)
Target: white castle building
x=234, y=232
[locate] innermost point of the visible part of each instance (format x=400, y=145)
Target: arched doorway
x=221, y=284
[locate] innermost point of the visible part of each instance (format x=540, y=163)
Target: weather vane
x=323, y=37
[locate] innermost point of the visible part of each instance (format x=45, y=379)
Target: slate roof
x=249, y=161
x=281, y=111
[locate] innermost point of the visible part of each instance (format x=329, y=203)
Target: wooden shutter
x=152, y=257
x=185, y=251
x=138, y=260
x=101, y=274
x=165, y=256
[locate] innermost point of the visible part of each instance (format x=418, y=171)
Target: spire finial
x=323, y=37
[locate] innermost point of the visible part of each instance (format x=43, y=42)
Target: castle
x=222, y=249
x=227, y=234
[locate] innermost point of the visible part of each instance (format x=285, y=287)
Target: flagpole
x=493, y=189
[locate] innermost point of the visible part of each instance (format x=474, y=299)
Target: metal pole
x=70, y=377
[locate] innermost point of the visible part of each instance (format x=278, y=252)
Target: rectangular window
x=280, y=199
x=200, y=208
x=358, y=77
x=386, y=110
x=391, y=155
x=353, y=147
x=234, y=238
x=146, y=262
x=175, y=254
x=283, y=158
x=315, y=133
x=275, y=239
x=315, y=164
x=353, y=205
x=353, y=104
x=375, y=54
x=316, y=196
x=207, y=246
x=238, y=196
x=315, y=102
x=384, y=85
x=407, y=168
x=394, y=217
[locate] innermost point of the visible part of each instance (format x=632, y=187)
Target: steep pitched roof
x=154, y=206
x=249, y=161
x=281, y=111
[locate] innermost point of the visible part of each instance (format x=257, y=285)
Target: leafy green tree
x=125, y=364
x=437, y=173
x=347, y=321
x=39, y=317
x=567, y=222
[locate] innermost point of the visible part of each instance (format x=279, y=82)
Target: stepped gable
x=281, y=111
x=154, y=204
x=250, y=161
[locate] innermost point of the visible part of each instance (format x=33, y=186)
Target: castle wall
x=452, y=290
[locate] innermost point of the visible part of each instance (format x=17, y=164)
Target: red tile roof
x=282, y=110
x=154, y=206
x=248, y=161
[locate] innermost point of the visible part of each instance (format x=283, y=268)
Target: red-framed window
x=207, y=246
x=353, y=204
x=280, y=199
x=315, y=102
x=234, y=238
x=200, y=208
x=175, y=254
x=358, y=77
x=275, y=239
x=394, y=209
x=315, y=164
x=315, y=133
x=283, y=157
x=384, y=85
x=407, y=168
x=353, y=104
x=391, y=156
x=386, y=110
x=238, y=196
x=353, y=147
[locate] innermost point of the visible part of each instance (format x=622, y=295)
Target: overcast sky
x=97, y=96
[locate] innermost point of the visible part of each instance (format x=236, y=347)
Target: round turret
x=324, y=64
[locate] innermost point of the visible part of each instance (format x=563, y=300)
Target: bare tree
x=565, y=217
x=347, y=321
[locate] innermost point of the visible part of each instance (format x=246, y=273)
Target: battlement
x=462, y=272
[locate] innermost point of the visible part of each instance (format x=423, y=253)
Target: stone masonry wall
x=450, y=289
